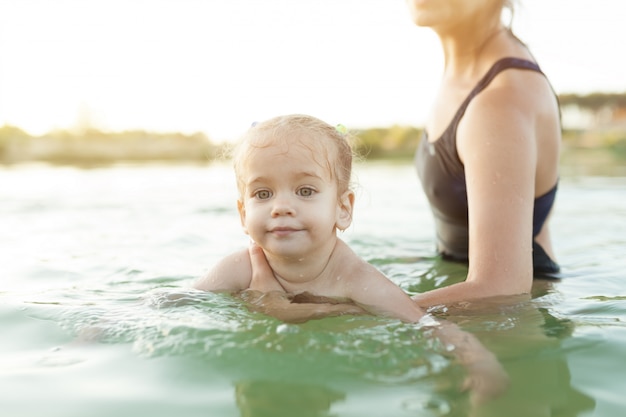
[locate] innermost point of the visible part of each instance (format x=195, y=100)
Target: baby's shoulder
x=345, y=257
x=231, y=273
x=356, y=269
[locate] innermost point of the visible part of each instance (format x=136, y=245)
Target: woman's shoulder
x=519, y=80
x=519, y=94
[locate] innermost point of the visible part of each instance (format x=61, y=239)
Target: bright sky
x=218, y=65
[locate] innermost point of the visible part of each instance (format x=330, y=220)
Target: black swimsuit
x=443, y=179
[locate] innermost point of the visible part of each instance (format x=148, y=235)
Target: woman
x=488, y=161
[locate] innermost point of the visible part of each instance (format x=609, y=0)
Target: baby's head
x=326, y=146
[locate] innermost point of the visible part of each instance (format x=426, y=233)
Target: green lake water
x=90, y=258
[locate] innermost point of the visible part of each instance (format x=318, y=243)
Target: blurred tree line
x=602, y=122
x=594, y=101
x=90, y=146
x=390, y=143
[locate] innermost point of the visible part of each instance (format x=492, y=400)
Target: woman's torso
x=443, y=179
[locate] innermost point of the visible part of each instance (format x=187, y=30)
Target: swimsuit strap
x=496, y=68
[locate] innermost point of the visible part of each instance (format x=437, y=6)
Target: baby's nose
x=282, y=207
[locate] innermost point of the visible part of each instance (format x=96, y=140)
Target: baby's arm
x=377, y=294
x=233, y=273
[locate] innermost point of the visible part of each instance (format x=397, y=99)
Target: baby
x=293, y=174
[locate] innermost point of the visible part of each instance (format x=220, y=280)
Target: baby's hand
x=267, y=296
x=263, y=278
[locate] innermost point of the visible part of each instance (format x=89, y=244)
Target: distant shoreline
x=93, y=147
x=604, y=113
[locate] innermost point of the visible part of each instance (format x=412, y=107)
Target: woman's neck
x=466, y=49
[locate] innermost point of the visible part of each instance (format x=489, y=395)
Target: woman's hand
x=284, y=306
x=263, y=278
x=486, y=379
x=267, y=296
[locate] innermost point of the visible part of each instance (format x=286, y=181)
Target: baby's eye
x=263, y=194
x=306, y=192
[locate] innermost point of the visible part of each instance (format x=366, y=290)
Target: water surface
x=92, y=258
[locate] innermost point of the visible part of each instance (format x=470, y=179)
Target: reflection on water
x=532, y=346
x=96, y=269
x=267, y=398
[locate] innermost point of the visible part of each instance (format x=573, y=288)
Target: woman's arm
x=286, y=307
x=485, y=379
x=376, y=294
x=496, y=142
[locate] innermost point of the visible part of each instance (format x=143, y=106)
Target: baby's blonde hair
x=314, y=134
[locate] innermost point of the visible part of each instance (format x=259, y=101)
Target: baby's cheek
x=254, y=223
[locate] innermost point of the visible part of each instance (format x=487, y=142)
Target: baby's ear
x=344, y=210
x=241, y=208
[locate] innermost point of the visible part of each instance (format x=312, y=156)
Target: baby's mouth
x=284, y=231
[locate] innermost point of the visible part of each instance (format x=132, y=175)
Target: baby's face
x=290, y=204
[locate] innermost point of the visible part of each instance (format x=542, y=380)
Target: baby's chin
x=292, y=256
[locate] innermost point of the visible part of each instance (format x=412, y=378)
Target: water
x=98, y=319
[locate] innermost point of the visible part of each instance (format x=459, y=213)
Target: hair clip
x=341, y=129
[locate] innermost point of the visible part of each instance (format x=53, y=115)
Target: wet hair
x=329, y=146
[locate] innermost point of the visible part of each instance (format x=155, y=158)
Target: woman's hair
x=329, y=146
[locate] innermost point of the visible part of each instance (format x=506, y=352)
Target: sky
x=216, y=66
